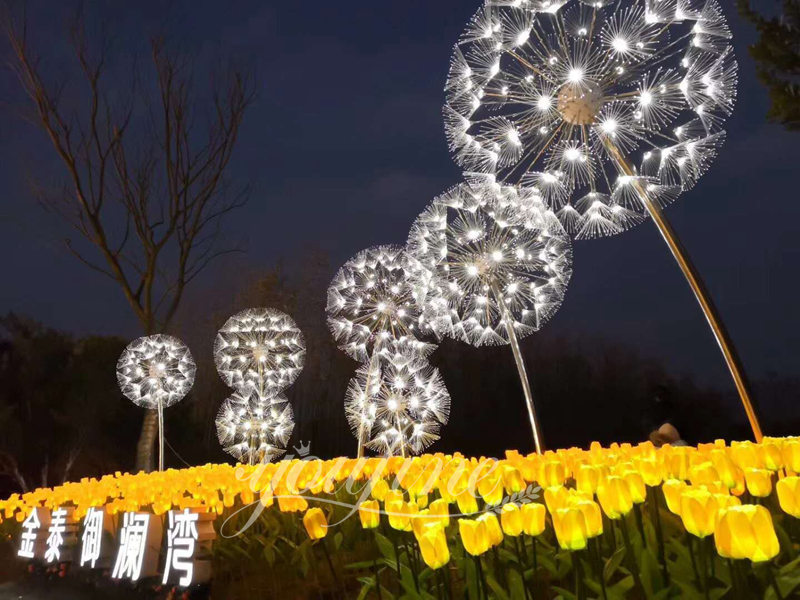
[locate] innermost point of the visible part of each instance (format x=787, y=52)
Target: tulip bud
x=699, y=512
x=759, y=482
x=788, y=490
x=615, y=497
x=533, y=518
x=493, y=529
x=511, y=519
x=570, y=526
x=315, y=523
x=673, y=488
x=473, y=536
x=555, y=497
x=369, y=513
x=433, y=547
x=746, y=532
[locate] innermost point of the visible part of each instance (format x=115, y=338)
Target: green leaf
x=563, y=593
x=385, y=546
x=337, y=540
x=613, y=563
x=650, y=574
x=516, y=586
x=496, y=587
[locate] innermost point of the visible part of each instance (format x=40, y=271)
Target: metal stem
x=699, y=289
x=361, y=432
x=160, y=434
x=523, y=375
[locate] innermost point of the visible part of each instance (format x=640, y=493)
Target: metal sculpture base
x=523, y=374
x=692, y=276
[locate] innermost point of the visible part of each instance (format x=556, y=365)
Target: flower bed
x=711, y=521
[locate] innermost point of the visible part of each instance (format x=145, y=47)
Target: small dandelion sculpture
x=373, y=313
x=499, y=266
x=253, y=429
x=260, y=349
x=609, y=109
x=401, y=404
x=156, y=372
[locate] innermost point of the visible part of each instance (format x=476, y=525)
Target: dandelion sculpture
x=371, y=304
x=373, y=313
x=260, y=349
x=609, y=109
x=400, y=403
x=499, y=266
x=156, y=372
x=254, y=429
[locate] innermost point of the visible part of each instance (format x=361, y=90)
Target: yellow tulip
x=636, y=486
x=570, y=526
x=788, y=490
x=587, y=478
x=615, y=497
x=555, y=497
x=673, y=489
x=433, y=547
x=490, y=487
x=725, y=467
x=288, y=503
x=746, y=532
x=512, y=480
x=553, y=473
x=467, y=503
x=533, y=518
x=379, y=490
x=791, y=455
x=704, y=473
x=493, y=530
x=473, y=536
x=698, y=512
x=315, y=523
x=511, y=519
x=759, y=482
x=592, y=515
x=369, y=513
x=649, y=470
x=400, y=514
x=773, y=460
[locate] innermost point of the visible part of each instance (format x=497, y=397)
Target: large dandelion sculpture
x=373, y=312
x=499, y=264
x=156, y=372
x=253, y=429
x=400, y=404
x=608, y=109
x=259, y=349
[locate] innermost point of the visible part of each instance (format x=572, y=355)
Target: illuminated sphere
x=259, y=349
x=400, y=404
x=156, y=367
x=371, y=304
x=481, y=242
x=538, y=90
x=254, y=429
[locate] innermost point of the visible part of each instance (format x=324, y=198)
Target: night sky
x=345, y=145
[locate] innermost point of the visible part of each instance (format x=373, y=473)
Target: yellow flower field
x=712, y=521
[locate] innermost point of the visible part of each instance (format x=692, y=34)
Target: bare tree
x=146, y=176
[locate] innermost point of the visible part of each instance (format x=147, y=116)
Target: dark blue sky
x=344, y=146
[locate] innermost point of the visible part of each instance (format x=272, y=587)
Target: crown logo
x=304, y=449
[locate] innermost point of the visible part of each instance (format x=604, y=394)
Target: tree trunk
x=147, y=440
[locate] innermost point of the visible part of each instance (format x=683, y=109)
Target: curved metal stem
x=523, y=375
x=692, y=276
